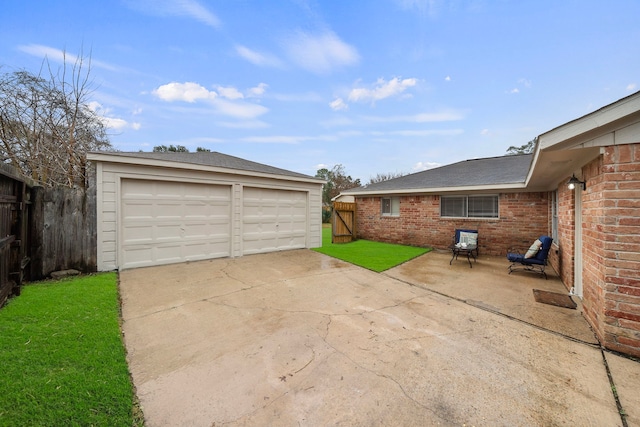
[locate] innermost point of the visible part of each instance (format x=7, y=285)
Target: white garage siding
x=157, y=212
x=164, y=222
x=273, y=220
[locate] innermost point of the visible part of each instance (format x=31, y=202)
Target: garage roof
x=211, y=159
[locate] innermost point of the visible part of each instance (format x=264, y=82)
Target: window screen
x=390, y=206
x=483, y=207
x=469, y=206
x=455, y=206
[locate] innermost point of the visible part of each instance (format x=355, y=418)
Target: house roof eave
x=592, y=126
x=440, y=190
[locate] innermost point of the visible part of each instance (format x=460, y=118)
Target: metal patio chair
x=534, y=259
x=468, y=237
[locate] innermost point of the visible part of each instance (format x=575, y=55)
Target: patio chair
x=534, y=259
x=470, y=237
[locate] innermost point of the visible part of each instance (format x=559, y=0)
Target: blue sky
x=379, y=86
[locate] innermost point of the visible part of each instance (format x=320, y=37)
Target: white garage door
x=273, y=220
x=166, y=222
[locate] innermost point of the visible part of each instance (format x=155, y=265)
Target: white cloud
x=197, y=11
x=114, y=123
x=447, y=79
x=524, y=82
x=257, y=58
x=382, y=90
x=257, y=91
x=229, y=92
x=423, y=166
x=63, y=56
x=192, y=92
x=188, y=8
x=188, y=92
x=338, y=104
x=241, y=110
x=120, y=124
x=485, y=132
x=631, y=87
x=320, y=53
x=104, y=115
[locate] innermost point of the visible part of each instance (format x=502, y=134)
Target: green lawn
x=375, y=256
x=62, y=356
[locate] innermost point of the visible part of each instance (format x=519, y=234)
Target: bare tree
x=380, y=177
x=46, y=124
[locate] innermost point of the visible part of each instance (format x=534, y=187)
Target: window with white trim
x=390, y=206
x=485, y=206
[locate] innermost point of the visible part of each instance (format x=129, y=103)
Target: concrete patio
x=299, y=338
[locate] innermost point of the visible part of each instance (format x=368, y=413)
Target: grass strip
x=376, y=256
x=62, y=356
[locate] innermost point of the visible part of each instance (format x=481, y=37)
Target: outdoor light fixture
x=573, y=181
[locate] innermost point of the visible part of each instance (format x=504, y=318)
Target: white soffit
x=593, y=129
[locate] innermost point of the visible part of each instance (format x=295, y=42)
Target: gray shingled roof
x=489, y=171
x=213, y=159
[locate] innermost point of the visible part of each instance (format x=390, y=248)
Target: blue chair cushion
x=539, y=259
x=522, y=260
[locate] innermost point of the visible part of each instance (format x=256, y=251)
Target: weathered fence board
x=14, y=231
x=344, y=222
x=69, y=230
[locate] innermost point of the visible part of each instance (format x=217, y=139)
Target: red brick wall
x=523, y=218
x=593, y=238
x=562, y=251
x=610, y=236
x=611, y=247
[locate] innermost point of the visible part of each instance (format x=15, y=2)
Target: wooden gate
x=344, y=222
x=14, y=223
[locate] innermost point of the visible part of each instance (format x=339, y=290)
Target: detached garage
x=163, y=208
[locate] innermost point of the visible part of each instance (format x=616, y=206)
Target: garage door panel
x=168, y=222
x=273, y=220
x=137, y=234
x=137, y=209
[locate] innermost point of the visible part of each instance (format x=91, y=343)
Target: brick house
x=512, y=200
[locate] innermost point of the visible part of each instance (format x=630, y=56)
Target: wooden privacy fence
x=43, y=230
x=343, y=222
x=67, y=230
x=15, y=206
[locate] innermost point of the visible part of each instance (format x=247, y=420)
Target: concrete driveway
x=299, y=338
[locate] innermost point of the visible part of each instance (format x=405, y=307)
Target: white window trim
x=391, y=199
